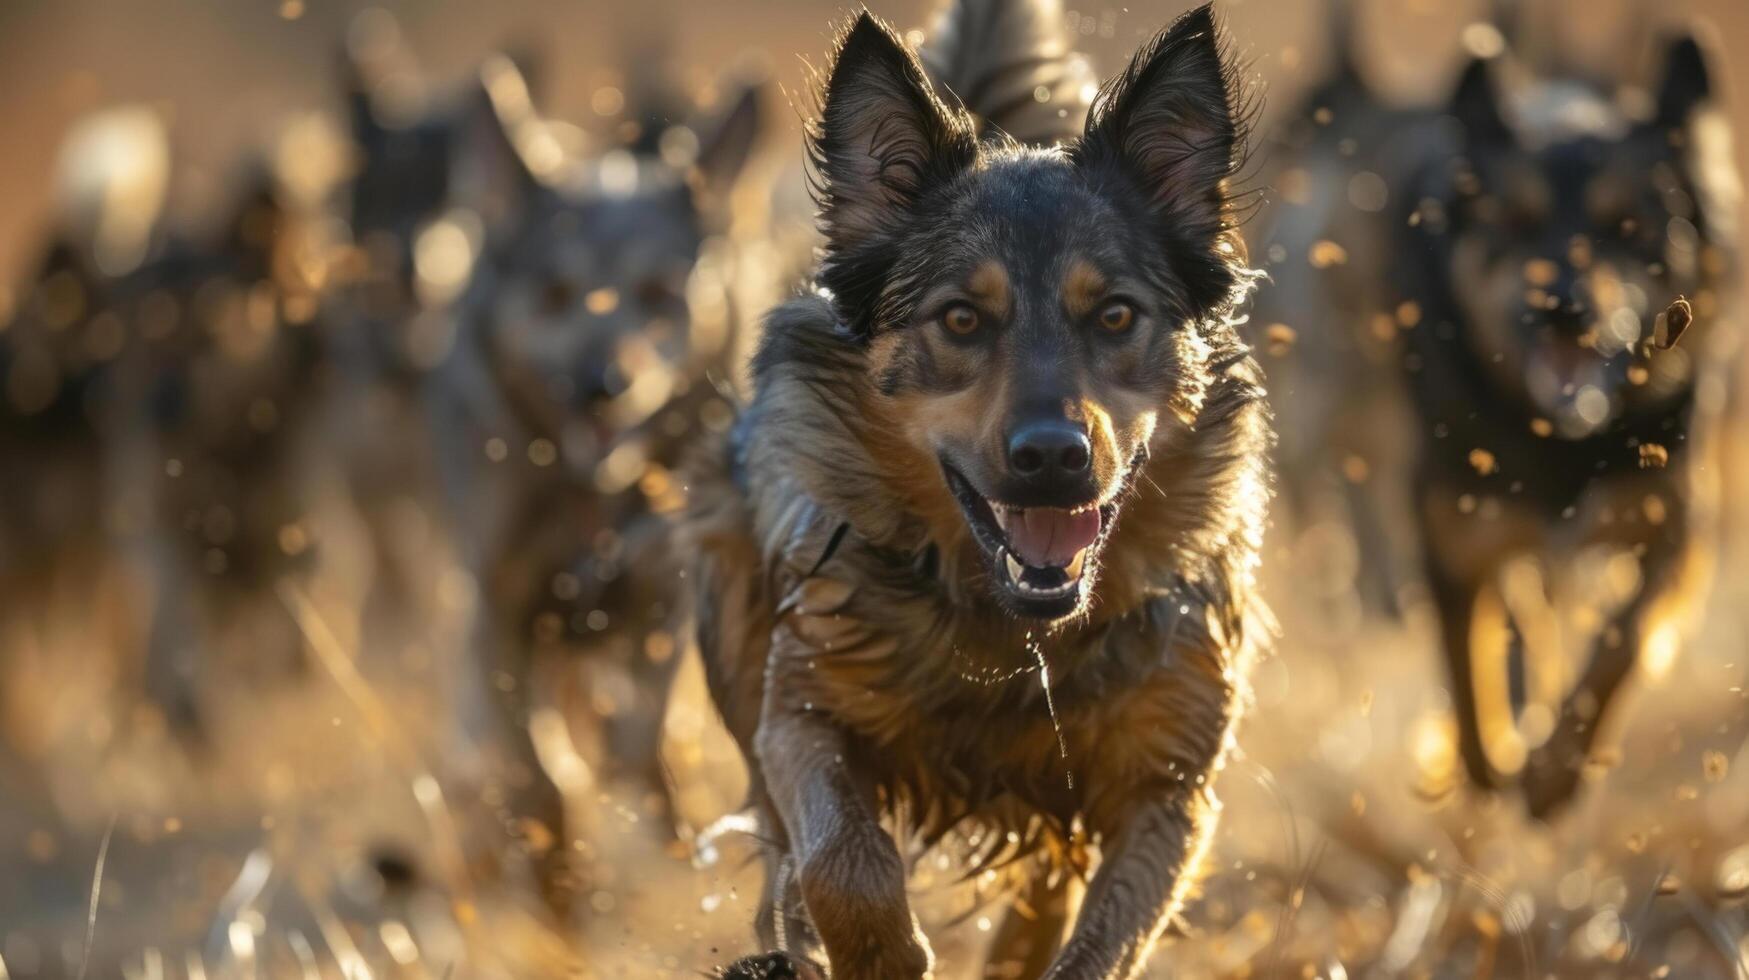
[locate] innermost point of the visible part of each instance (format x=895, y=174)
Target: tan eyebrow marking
x=989, y=286
x=1083, y=286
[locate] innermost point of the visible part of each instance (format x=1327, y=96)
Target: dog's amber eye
x=960, y=319
x=1117, y=317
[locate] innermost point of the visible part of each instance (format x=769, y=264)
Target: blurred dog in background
x=588, y=351
x=165, y=404
x=1555, y=248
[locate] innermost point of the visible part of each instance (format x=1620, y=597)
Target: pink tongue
x=1045, y=538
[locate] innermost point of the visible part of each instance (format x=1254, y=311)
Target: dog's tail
x=1009, y=62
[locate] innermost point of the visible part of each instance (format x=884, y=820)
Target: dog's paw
x=770, y=966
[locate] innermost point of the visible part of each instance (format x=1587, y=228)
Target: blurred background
x=301, y=778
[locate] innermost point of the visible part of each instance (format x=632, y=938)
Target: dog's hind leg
x=1466, y=629
x=532, y=800
x=1647, y=632
x=174, y=641
x=1032, y=930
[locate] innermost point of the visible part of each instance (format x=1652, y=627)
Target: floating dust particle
x=1673, y=323
x=1295, y=186
x=1483, y=462
x=1731, y=880
x=536, y=835
x=1638, y=375
x=1355, y=469
x=1367, y=191
x=1715, y=766
x=1281, y=339
x=1325, y=254
x=1542, y=427
x=1483, y=40
x=293, y=540
x=1384, y=329
x=1541, y=272
x=1653, y=456
x=1654, y=510
x=291, y=9
x=607, y=101
x=1408, y=314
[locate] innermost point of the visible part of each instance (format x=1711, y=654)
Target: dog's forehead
x=615, y=230
x=1034, y=213
x=1564, y=111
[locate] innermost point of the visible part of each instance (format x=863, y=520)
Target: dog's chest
x=952, y=717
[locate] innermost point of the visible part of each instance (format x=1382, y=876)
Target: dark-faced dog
x=160, y=421
x=582, y=365
x=1556, y=257
x=213, y=440
x=1013, y=429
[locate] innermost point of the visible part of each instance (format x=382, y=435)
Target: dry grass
x=1348, y=847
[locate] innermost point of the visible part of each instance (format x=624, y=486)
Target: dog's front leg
x=851, y=876
x=1676, y=571
x=1140, y=884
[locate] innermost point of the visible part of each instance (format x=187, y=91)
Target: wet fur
x=844, y=616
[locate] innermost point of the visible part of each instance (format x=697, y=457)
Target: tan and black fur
x=851, y=596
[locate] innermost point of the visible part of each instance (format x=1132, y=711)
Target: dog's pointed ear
x=491, y=173
x=258, y=225
x=374, y=50
x=357, y=87
x=1170, y=122
x=1687, y=82
x=726, y=143
x=883, y=138
x=1476, y=105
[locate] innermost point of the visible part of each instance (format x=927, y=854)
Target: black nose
x=1049, y=449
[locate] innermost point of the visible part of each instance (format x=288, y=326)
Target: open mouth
x=1042, y=558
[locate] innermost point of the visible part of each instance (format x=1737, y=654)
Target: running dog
x=162, y=418
x=1556, y=254
x=1013, y=429
x=586, y=348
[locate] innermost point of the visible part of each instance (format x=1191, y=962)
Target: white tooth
x=1014, y=569
x=1074, y=568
